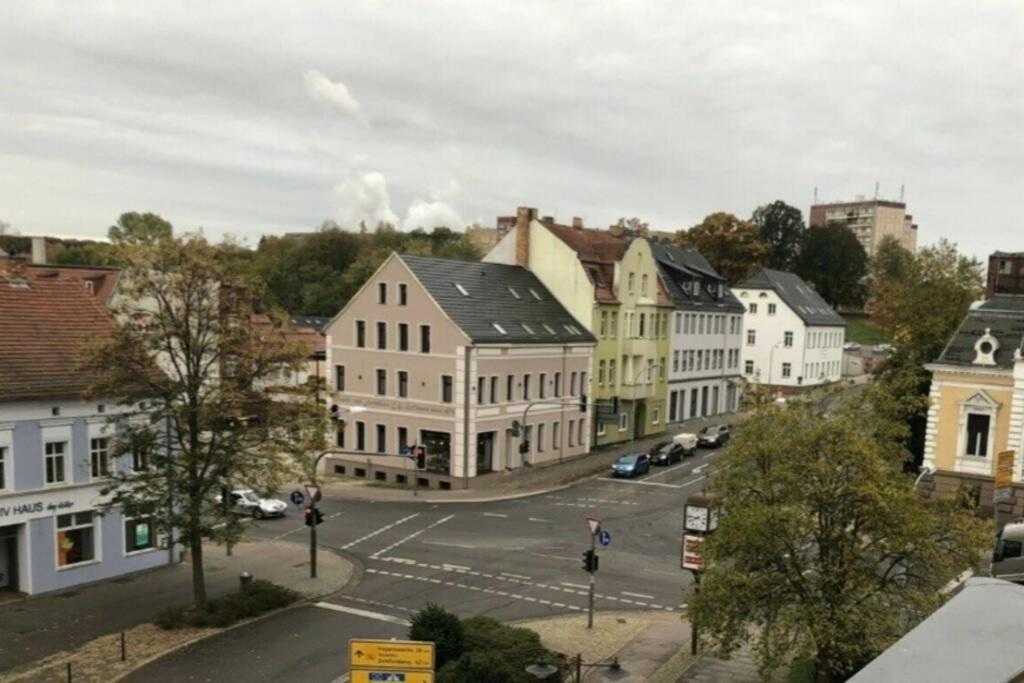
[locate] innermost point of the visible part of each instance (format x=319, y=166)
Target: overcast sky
x=261, y=117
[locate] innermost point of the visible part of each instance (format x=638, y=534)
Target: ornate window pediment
x=980, y=401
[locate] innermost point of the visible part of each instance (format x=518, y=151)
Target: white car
x=851, y=346
x=245, y=501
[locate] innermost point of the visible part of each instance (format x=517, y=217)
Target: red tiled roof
x=45, y=325
x=103, y=280
x=306, y=335
x=598, y=252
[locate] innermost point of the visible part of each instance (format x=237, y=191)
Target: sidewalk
x=38, y=627
x=535, y=480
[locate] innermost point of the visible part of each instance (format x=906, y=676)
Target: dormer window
x=985, y=349
x=688, y=287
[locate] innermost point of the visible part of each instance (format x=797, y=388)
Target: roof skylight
x=462, y=290
x=513, y=292
x=550, y=329
x=499, y=328
x=529, y=330
x=535, y=294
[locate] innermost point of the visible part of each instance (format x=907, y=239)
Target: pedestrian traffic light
x=420, y=452
x=590, y=561
x=313, y=514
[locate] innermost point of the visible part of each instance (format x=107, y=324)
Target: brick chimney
x=524, y=215
x=577, y=222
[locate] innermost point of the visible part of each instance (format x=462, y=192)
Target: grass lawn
x=860, y=329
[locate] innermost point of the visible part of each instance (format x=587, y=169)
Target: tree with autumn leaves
x=199, y=380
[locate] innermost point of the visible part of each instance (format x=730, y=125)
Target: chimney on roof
x=547, y=219
x=524, y=215
x=577, y=222
x=39, y=251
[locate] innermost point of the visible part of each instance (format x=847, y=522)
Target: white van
x=687, y=441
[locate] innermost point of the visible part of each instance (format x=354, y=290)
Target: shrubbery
x=480, y=649
x=259, y=598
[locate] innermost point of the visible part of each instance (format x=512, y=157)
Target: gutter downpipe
x=466, y=393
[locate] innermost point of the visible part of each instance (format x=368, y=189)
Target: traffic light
x=590, y=561
x=583, y=403
x=313, y=514
x=421, y=457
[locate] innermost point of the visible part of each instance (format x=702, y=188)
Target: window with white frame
x=99, y=458
x=977, y=434
x=140, y=458
x=601, y=429
x=3, y=468
x=751, y=337
x=76, y=539
x=139, y=534
x=787, y=369
x=55, y=457
x=748, y=367
x=623, y=422
x=771, y=309
x=656, y=416
x=787, y=339
x=601, y=366
x=753, y=309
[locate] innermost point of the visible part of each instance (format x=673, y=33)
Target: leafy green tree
x=435, y=624
x=134, y=228
x=519, y=647
x=479, y=667
x=82, y=253
x=197, y=378
x=833, y=261
x=780, y=227
x=824, y=550
x=728, y=243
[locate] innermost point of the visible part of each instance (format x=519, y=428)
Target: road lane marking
x=699, y=468
x=694, y=480
x=541, y=521
x=575, y=585
x=379, y=531
x=464, y=546
x=638, y=595
x=667, y=470
x=516, y=576
x=410, y=537
x=400, y=560
x=367, y=614
x=455, y=567
x=640, y=482
x=495, y=514
x=375, y=603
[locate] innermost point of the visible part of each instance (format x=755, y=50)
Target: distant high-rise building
x=871, y=220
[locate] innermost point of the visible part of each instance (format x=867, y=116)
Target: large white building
x=791, y=336
x=706, y=333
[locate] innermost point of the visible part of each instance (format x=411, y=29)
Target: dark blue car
x=631, y=465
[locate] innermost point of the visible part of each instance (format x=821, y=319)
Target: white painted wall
x=816, y=354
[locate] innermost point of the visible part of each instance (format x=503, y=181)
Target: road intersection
x=512, y=560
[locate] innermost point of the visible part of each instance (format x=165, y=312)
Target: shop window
x=139, y=534
x=76, y=539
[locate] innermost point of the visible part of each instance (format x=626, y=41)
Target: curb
x=511, y=496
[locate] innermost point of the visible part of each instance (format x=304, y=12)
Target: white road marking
x=638, y=595
x=465, y=546
x=699, y=468
x=495, y=514
x=575, y=585
x=410, y=537
x=363, y=613
x=694, y=480
x=400, y=560
x=516, y=576
x=541, y=521
x=667, y=470
x=643, y=483
x=379, y=531
x=455, y=567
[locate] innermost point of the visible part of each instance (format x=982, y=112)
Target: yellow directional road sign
x=390, y=655
x=372, y=676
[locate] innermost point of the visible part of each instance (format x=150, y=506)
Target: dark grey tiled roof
x=1003, y=316
x=685, y=264
x=315, y=322
x=797, y=294
x=535, y=317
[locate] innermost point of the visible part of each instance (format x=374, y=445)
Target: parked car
x=247, y=502
x=632, y=465
x=688, y=442
x=665, y=453
x=884, y=349
x=851, y=346
x=713, y=436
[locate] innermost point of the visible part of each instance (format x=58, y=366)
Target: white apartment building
x=706, y=334
x=791, y=336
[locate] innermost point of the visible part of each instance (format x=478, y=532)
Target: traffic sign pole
x=590, y=606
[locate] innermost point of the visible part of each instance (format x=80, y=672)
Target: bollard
x=124, y=652
x=244, y=582
x=69, y=672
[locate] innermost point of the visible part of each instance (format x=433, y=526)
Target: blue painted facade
x=92, y=544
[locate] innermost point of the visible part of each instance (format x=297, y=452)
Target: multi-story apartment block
x=57, y=447
x=976, y=407
x=612, y=286
x=465, y=358
x=706, y=335
x=872, y=220
x=791, y=336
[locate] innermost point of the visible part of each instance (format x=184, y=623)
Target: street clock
x=700, y=515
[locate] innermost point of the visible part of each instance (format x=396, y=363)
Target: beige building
x=872, y=220
x=977, y=401
x=450, y=355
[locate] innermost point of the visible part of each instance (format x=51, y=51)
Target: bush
x=260, y=598
x=435, y=624
x=519, y=647
x=479, y=667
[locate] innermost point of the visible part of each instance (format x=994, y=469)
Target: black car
x=665, y=453
x=713, y=436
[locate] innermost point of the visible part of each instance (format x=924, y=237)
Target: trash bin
x=244, y=581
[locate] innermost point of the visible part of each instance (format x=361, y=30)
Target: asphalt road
x=515, y=559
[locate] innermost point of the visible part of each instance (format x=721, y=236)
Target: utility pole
x=593, y=571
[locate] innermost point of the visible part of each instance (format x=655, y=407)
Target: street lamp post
x=925, y=471
x=313, y=488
